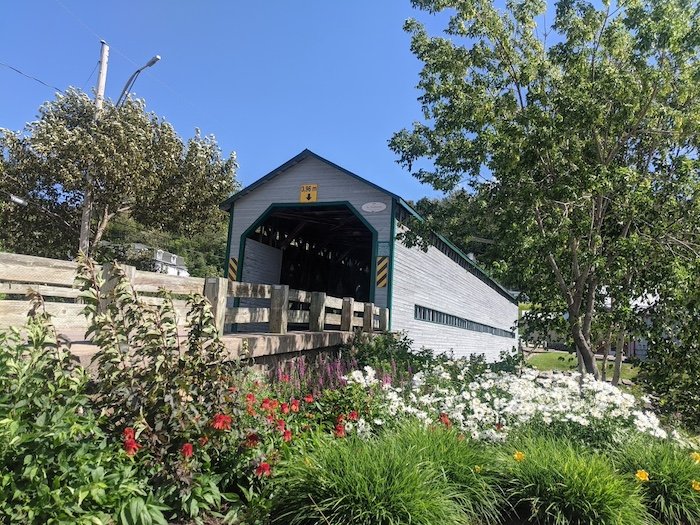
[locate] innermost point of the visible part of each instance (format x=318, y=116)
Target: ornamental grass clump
x=465, y=463
x=550, y=482
x=670, y=484
x=364, y=482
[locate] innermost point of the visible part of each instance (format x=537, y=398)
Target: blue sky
x=268, y=79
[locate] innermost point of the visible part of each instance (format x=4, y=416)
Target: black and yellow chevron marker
x=232, y=269
x=382, y=271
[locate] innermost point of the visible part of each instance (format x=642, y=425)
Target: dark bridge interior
x=324, y=249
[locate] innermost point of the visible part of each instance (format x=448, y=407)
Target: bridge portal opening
x=314, y=248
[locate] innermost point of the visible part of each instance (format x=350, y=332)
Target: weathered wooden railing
x=288, y=307
x=283, y=307
x=54, y=279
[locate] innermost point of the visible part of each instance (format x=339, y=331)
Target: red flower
x=250, y=410
x=295, y=405
x=131, y=446
x=284, y=408
x=274, y=404
x=309, y=398
x=187, y=450
x=128, y=433
x=263, y=470
x=340, y=430
x=270, y=418
x=265, y=405
x=445, y=420
x=284, y=378
x=340, y=418
x=252, y=440
x=281, y=425
x=221, y=422
x=203, y=440
x=353, y=416
x=287, y=436
x=250, y=398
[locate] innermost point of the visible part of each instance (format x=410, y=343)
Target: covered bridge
x=316, y=226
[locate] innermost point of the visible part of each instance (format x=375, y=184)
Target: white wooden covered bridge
x=312, y=226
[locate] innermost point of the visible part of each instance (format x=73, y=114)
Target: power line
x=30, y=77
x=91, y=73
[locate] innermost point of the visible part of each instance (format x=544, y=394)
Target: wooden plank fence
x=287, y=308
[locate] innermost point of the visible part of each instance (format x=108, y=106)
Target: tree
x=581, y=137
x=130, y=161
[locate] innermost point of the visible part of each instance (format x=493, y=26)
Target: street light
x=132, y=79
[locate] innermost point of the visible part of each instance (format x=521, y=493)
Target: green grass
x=373, y=482
x=670, y=493
x=565, y=362
x=555, y=483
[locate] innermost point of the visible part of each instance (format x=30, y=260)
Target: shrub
x=165, y=396
x=672, y=492
x=372, y=482
x=550, y=482
x=464, y=463
x=56, y=464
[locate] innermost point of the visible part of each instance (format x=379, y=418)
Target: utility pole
x=87, y=200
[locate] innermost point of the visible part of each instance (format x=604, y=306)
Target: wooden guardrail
x=54, y=279
x=314, y=310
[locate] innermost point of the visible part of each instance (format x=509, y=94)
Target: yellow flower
x=696, y=485
x=518, y=456
x=477, y=469
x=642, y=475
x=696, y=457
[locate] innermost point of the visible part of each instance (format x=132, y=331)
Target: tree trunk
x=583, y=347
x=84, y=244
x=606, y=352
x=618, y=358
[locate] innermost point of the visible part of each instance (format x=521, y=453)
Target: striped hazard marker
x=232, y=269
x=382, y=271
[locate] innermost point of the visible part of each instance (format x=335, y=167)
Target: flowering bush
x=495, y=403
x=165, y=397
x=56, y=463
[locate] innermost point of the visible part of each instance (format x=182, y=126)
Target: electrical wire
x=30, y=77
x=92, y=73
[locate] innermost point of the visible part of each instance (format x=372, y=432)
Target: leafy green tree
x=581, y=136
x=671, y=372
x=126, y=161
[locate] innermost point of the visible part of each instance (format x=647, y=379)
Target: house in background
x=162, y=261
x=316, y=226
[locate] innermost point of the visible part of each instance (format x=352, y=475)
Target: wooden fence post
x=368, y=318
x=279, y=305
x=346, y=314
x=383, y=319
x=216, y=291
x=317, y=312
x=111, y=281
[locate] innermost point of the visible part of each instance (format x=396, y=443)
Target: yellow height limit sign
x=308, y=193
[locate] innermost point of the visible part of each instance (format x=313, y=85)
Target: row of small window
x=433, y=316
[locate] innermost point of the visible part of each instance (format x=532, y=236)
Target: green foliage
x=391, y=353
x=555, y=483
x=672, y=493
x=374, y=482
x=204, y=252
x=124, y=159
x=56, y=464
x=578, y=133
x=168, y=389
x=671, y=372
x=466, y=464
